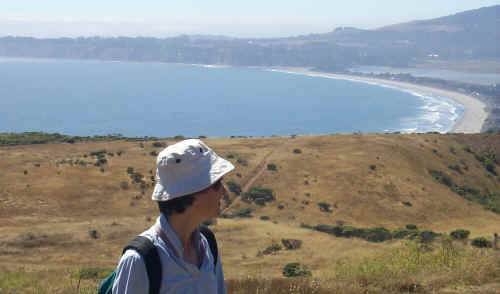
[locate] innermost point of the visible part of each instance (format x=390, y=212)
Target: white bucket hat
x=187, y=167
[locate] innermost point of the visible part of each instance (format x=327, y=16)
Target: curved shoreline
x=470, y=122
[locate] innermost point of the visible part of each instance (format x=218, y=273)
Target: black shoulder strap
x=153, y=263
x=211, y=241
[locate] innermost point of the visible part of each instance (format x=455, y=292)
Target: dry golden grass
x=47, y=214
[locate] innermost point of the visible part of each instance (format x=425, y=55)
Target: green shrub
x=401, y=233
x=271, y=167
x=265, y=218
x=98, y=153
x=291, y=244
x=137, y=177
x=230, y=155
x=258, y=195
x=130, y=170
x=441, y=177
x=234, y=187
x=349, y=231
x=378, y=234
x=325, y=207
x=460, y=234
x=333, y=230
x=295, y=270
x=373, y=167
x=481, y=242
x=275, y=247
x=297, y=151
x=427, y=236
x=153, y=153
x=101, y=161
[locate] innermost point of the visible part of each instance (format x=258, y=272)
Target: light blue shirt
x=178, y=276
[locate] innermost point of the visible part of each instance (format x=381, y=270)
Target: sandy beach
x=471, y=121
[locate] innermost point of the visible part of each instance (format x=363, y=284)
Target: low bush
x=401, y=233
x=265, y=218
x=275, y=247
x=427, y=236
x=441, y=177
x=137, y=177
x=234, y=187
x=258, y=195
x=94, y=234
x=378, y=234
x=295, y=270
x=297, y=151
x=481, y=242
x=272, y=167
x=460, y=234
x=98, y=153
x=325, y=207
x=291, y=244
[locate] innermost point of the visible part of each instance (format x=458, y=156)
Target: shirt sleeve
x=221, y=285
x=131, y=274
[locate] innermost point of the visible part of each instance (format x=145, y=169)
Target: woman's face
x=209, y=202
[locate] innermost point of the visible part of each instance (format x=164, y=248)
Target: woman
x=188, y=191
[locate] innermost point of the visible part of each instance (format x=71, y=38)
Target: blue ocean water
x=158, y=99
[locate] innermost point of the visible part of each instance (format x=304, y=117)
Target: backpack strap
x=209, y=235
x=147, y=250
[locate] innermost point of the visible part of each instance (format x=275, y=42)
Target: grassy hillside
x=65, y=207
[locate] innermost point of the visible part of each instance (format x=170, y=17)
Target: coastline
x=470, y=122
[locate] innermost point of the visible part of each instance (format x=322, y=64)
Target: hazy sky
x=257, y=18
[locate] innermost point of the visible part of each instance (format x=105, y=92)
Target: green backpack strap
x=106, y=286
x=209, y=235
x=148, y=251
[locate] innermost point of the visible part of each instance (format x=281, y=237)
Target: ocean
x=84, y=98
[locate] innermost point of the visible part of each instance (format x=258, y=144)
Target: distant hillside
x=483, y=21
x=468, y=35
x=65, y=206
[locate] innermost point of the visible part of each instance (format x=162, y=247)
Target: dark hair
x=177, y=205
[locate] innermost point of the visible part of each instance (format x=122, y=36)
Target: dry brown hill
x=59, y=211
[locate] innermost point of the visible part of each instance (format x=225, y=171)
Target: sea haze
x=157, y=99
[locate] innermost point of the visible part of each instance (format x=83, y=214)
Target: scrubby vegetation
x=488, y=200
x=234, y=187
x=378, y=234
x=258, y=195
x=295, y=269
